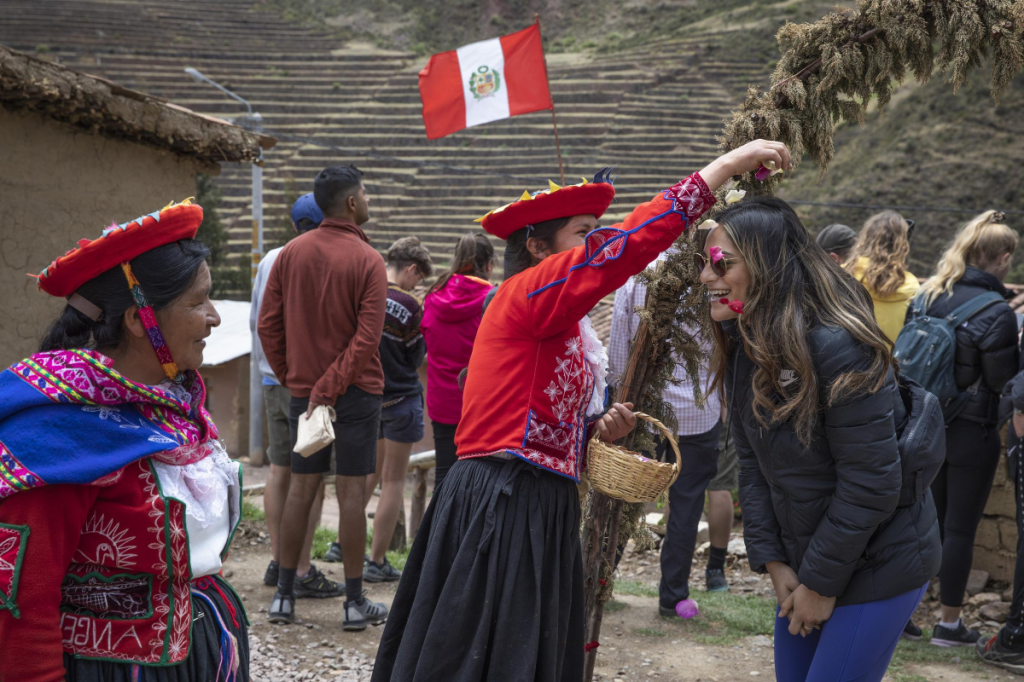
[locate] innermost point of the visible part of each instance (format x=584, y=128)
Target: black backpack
x=922, y=443
x=926, y=350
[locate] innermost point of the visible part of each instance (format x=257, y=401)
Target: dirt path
x=637, y=644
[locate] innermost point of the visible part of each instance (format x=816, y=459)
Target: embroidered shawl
x=69, y=417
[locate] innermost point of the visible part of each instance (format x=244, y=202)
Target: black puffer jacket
x=986, y=345
x=830, y=510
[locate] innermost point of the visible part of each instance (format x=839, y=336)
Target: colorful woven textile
x=69, y=417
x=148, y=317
x=118, y=244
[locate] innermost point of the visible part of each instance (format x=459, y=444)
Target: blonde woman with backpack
x=986, y=356
x=879, y=263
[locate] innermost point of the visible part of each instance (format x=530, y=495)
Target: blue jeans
x=854, y=645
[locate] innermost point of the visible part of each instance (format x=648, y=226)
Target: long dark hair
x=472, y=254
x=164, y=273
x=517, y=256
x=794, y=285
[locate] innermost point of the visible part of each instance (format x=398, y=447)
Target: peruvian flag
x=484, y=82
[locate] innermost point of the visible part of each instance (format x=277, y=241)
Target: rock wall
x=59, y=185
x=995, y=546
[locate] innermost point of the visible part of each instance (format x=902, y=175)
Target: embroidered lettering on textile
x=90, y=635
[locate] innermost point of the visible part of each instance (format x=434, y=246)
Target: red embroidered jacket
x=529, y=383
x=104, y=574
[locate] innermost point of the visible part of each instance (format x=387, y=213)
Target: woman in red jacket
x=493, y=588
x=117, y=501
x=451, y=316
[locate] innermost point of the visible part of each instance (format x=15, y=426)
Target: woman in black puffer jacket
x=816, y=417
x=976, y=262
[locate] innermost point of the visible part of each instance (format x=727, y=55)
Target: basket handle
x=668, y=435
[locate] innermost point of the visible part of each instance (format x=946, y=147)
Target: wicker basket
x=628, y=476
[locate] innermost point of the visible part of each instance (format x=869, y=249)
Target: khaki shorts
x=728, y=476
x=276, y=400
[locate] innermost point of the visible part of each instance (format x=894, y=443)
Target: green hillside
x=929, y=148
x=568, y=25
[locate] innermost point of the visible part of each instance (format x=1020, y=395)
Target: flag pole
x=554, y=122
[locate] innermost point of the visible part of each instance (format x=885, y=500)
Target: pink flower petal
x=762, y=174
x=716, y=253
x=687, y=609
x=736, y=306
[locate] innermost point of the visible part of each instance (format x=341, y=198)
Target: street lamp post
x=254, y=122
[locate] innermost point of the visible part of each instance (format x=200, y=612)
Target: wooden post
x=419, y=500
x=398, y=538
x=558, y=145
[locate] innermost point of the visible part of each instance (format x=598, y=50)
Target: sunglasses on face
x=720, y=267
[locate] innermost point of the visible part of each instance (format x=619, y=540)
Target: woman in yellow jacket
x=879, y=263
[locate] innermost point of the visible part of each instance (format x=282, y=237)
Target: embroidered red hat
x=555, y=202
x=119, y=244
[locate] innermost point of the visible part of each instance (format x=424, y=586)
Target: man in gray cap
x=838, y=241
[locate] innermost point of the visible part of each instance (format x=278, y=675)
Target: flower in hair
x=716, y=253
x=735, y=195
x=766, y=170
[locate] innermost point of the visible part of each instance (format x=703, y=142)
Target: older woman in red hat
x=117, y=501
x=493, y=588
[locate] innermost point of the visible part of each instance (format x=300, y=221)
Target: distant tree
x=231, y=277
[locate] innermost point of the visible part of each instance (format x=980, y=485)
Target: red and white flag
x=484, y=82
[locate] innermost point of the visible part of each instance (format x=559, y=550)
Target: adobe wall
x=59, y=185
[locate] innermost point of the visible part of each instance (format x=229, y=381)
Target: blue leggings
x=854, y=645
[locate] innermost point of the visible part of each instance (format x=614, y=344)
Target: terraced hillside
x=653, y=110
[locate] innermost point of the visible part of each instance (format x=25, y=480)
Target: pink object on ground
x=687, y=609
x=451, y=318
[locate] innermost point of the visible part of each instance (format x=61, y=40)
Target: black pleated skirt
x=203, y=663
x=493, y=587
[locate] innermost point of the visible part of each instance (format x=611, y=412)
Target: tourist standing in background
x=880, y=264
x=451, y=316
x=816, y=412
x=975, y=264
x=320, y=324
x=697, y=429
x=401, y=417
x=721, y=509
x=838, y=242
x=309, y=581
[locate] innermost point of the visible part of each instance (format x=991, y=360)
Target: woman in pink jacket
x=451, y=316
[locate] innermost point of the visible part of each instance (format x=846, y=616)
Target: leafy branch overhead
x=831, y=69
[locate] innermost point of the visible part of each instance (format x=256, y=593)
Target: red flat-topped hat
x=119, y=244
x=586, y=198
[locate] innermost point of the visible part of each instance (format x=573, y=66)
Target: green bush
x=231, y=277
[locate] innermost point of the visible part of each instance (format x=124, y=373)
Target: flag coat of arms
x=483, y=82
